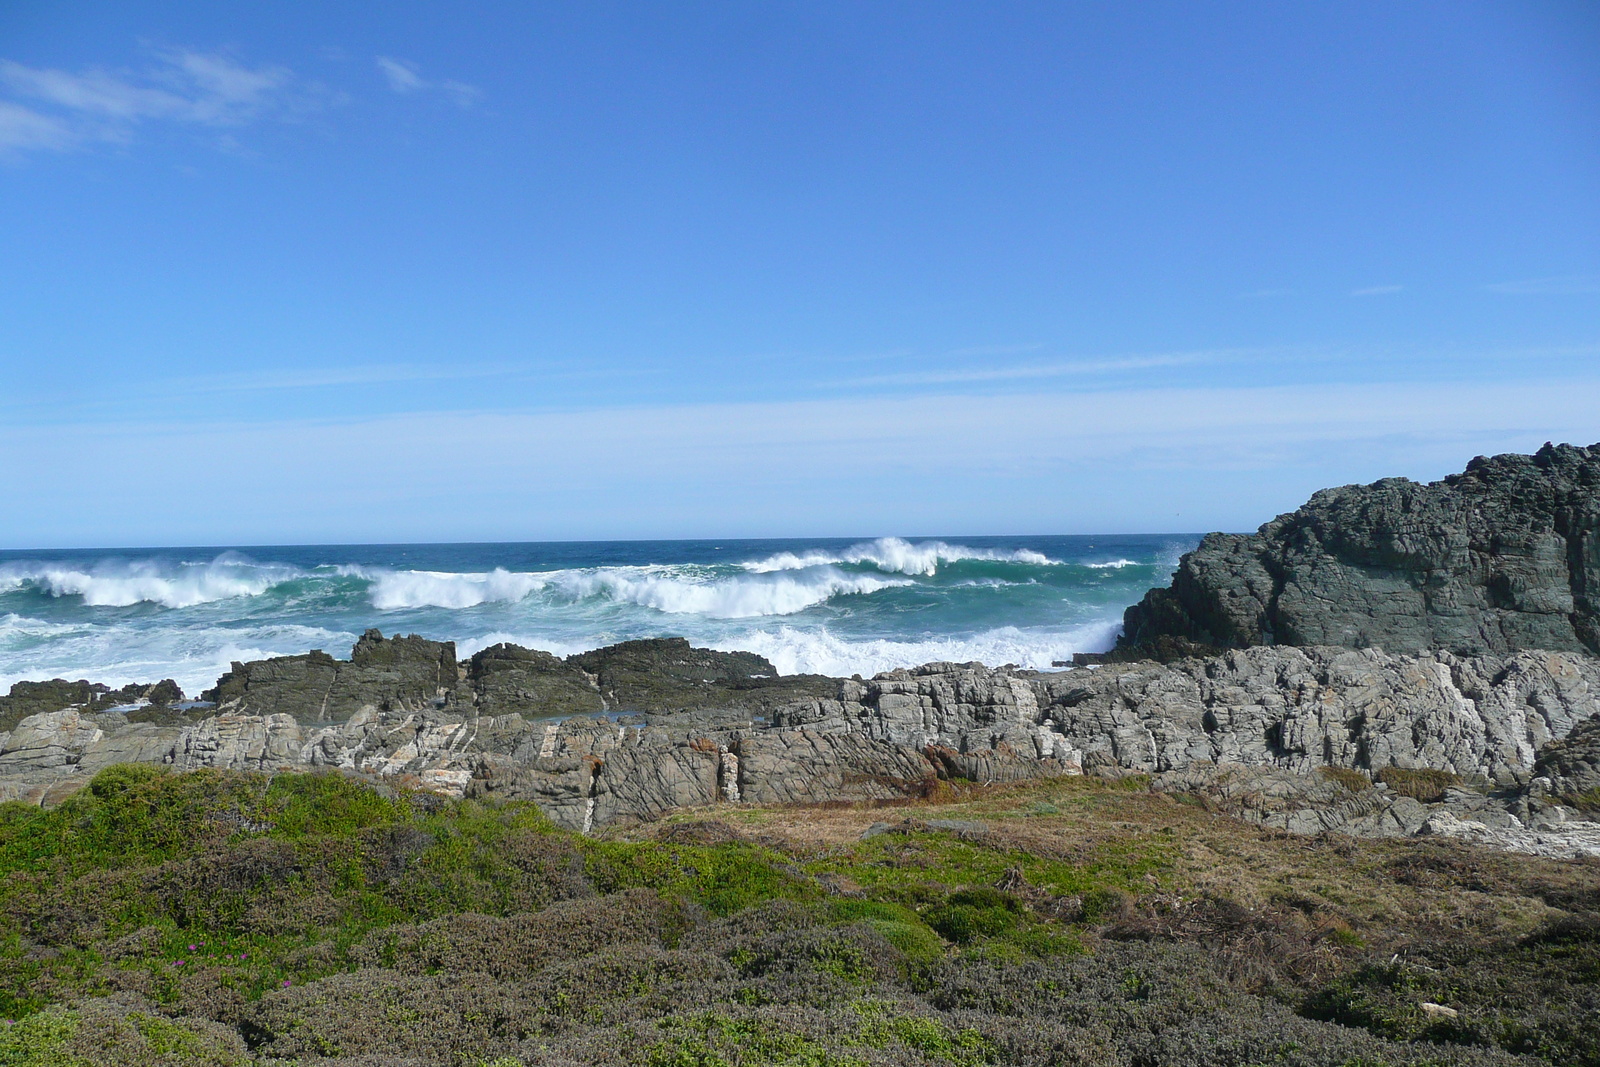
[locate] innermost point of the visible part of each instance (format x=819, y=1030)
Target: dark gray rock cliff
x=1502, y=557
x=398, y=673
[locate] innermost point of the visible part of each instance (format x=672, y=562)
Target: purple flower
x=286, y=981
x=177, y=963
x=191, y=948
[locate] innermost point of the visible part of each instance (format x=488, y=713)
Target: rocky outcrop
x=1500, y=558
x=663, y=675
x=1570, y=767
x=508, y=678
x=403, y=673
x=31, y=698
x=1254, y=723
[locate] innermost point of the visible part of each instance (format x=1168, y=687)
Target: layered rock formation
x=1503, y=557
x=1232, y=724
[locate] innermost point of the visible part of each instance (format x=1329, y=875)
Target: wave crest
x=794, y=651
x=725, y=598
x=670, y=590
x=397, y=590
x=899, y=556
x=123, y=583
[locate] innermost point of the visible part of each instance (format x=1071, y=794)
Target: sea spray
x=842, y=606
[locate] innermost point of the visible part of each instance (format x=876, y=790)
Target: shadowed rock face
x=1505, y=556
x=398, y=673
x=666, y=675
x=1572, y=764
x=31, y=698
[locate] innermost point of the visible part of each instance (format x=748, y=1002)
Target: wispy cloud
x=405, y=77
x=22, y=129
x=54, y=109
x=1062, y=369
x=1147, y=459
x=1561, y=285
x=1377, y=290
x=326, y=377
x=997, y=350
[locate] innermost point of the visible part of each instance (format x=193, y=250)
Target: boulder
x=404, y=673
x=507, y=678
x=666, y=675
x=1572, y=765
x=1502, y=557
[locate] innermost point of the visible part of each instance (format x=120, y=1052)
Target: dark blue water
x=831, y=606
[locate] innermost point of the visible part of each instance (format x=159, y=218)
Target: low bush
x=1424, y=784
x=1352, y=780
x=217, y=920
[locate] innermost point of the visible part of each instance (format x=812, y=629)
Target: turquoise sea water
x=830, y=606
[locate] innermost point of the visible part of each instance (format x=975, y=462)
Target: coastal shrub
x=722, y=879
x=512, y=945
x=717, y=1040
x=1424, y=784
x=40, y=1040
x=897, y=924
x=101, y=1033
x=1539, y=995
x=975, y=913
x=1352, y=780
x=1588, y=800
x=208, y=919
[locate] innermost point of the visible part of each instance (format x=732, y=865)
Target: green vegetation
x=223, y=919
x=1352, y=780
x=1424, y=784
x=1588, y=800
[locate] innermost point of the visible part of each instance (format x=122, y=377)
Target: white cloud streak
x=1064, y=369
x=404, y=77
x=64, y=109
x=1142, y=459
x=23, y=129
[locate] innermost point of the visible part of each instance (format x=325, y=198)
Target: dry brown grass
x=1387, y=893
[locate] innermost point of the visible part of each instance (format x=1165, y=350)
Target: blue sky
x=398, y=272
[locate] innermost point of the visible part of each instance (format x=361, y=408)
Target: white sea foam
x=897, y=555
x=394, y=590
x=719, y=598
x=120, y=583
x=796, y=651
x=681, y=590
x=1115, y=565
x=544, y=642
x=118, y=655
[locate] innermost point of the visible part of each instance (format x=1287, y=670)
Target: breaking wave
x=795, y=651
x=396, y=590
x=898, y=556
x=673, y=591
x=726, y=598
x=122, y=583
x=837, y=607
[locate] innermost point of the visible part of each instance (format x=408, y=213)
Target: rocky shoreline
x=1392, y=659
x=1208, y=847
x=632, y=731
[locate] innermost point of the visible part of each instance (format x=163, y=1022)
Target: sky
x=334, y=272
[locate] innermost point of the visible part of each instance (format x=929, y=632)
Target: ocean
x=829, y=606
